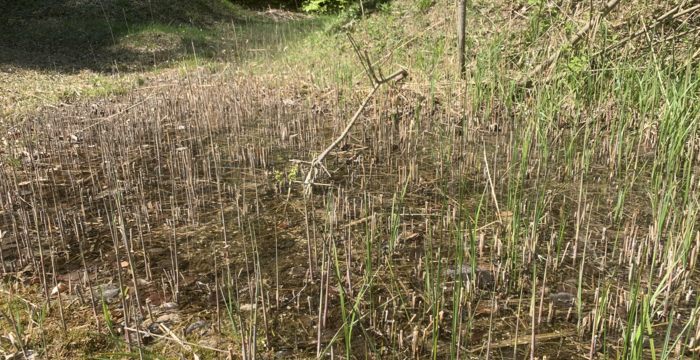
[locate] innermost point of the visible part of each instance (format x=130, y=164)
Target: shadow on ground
x=119, y=35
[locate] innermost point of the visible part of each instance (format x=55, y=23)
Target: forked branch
x=376, y=83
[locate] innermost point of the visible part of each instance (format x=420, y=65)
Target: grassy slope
x=504, y=41
x=63, y=51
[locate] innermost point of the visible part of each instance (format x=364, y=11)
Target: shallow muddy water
x=192, y=195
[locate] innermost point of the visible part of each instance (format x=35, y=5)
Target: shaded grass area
x=73, y=35
x=62, y=51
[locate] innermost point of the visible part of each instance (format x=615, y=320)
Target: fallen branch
x=523, y=340
x=525, y=80
x=376, y=83
x=177, y=340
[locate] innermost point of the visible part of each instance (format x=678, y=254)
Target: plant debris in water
x=480, y=221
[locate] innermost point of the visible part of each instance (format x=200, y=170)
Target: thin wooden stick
x=181, y=342
x=377, y=82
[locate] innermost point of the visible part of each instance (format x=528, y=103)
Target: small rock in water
x=167, y=264
x=466, y=270
x=197, y=325
x=568, y=286
x=154, y=328
x=563, y=300
x=247, y=307
x=31, y=355
x=60, y=288
x=169, y=306
x=106, y=292
x=484, y=278
x=297, y=271
x=168, y=318
x=284, y=353
x=385, y=246
x=155, y=250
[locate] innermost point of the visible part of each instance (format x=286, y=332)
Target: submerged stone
x=484, y=278
x=563, y=299
x=196, y=325
x=106, y=292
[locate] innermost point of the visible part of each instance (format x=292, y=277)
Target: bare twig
x=366, y=66
x=177, y=340
x=180, y=342
x=376, y=83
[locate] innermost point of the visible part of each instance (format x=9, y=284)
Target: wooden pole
x=462, y=13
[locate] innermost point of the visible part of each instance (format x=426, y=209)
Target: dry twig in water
x=376, y=83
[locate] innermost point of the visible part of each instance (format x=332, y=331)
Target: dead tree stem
x=308, y=183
